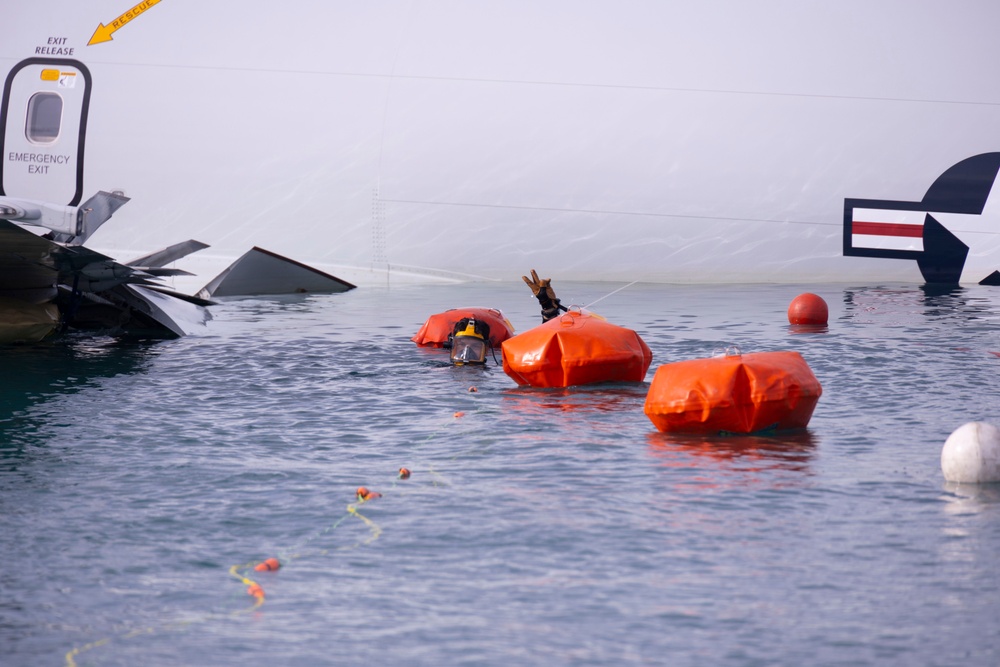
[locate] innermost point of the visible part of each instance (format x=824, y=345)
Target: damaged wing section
x=52, y=282
x=160, y=258
x=262, y=272
x=134, y=310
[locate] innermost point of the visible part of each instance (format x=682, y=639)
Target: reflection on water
x=918, y=304
x=797, y=329
x=254, y=308
x=597, y=398
x=34, y=374
x=66, y=365
x=970, y=509
x=970, y=498
x=791, y=452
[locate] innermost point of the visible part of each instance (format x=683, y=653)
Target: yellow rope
x=253, y=587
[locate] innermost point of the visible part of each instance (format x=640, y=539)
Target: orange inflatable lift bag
x=437, y=328
x=734, y=394
x=576, y=348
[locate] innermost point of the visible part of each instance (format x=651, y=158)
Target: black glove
x=542, y=289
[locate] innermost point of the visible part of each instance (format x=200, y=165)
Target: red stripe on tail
x=887, y=229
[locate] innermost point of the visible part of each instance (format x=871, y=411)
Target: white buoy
x=971, y=455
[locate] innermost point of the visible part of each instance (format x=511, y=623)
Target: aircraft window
x=44, y=118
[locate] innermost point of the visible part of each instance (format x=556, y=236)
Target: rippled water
x=540, y=528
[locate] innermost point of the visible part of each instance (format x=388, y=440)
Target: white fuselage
x=655, y=141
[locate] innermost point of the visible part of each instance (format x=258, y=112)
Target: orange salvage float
x=733, y=394
x=576, y=348
x=437, y=328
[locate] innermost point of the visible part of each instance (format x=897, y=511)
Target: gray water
x=540, y=527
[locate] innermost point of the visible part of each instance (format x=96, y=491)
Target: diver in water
x=469, y=340
x=541, y=288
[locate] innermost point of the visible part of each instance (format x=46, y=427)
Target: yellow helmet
x=468, y=344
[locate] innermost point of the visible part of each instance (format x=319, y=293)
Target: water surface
x=540, y=527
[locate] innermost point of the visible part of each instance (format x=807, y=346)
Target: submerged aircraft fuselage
x=671, y=142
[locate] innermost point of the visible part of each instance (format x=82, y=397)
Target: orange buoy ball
x=459, y=414
x=404, y=473
x=255, y=590
x=365, y=494
x=808, y=308
x=269, y=565
x=472, y=390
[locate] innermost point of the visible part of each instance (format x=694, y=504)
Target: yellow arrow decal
x=104, y=32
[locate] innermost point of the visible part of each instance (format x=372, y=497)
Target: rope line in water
x=610, y=293
x=254, y=589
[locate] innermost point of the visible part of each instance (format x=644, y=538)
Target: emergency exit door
x=44, y=125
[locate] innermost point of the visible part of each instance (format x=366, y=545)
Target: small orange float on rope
x=269, y=565
x=808, y=308
x=365, y=494
x=734, y=393
x=255, y=590
x=404, y=473
x=438, y=327
x=576, y=348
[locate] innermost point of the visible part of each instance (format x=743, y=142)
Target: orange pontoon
x=576, y=348
x=437, y=328
x=735, y=393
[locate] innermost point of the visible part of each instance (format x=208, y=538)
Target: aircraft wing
x=29, y=264
x=169, y=254
x=92, y=290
